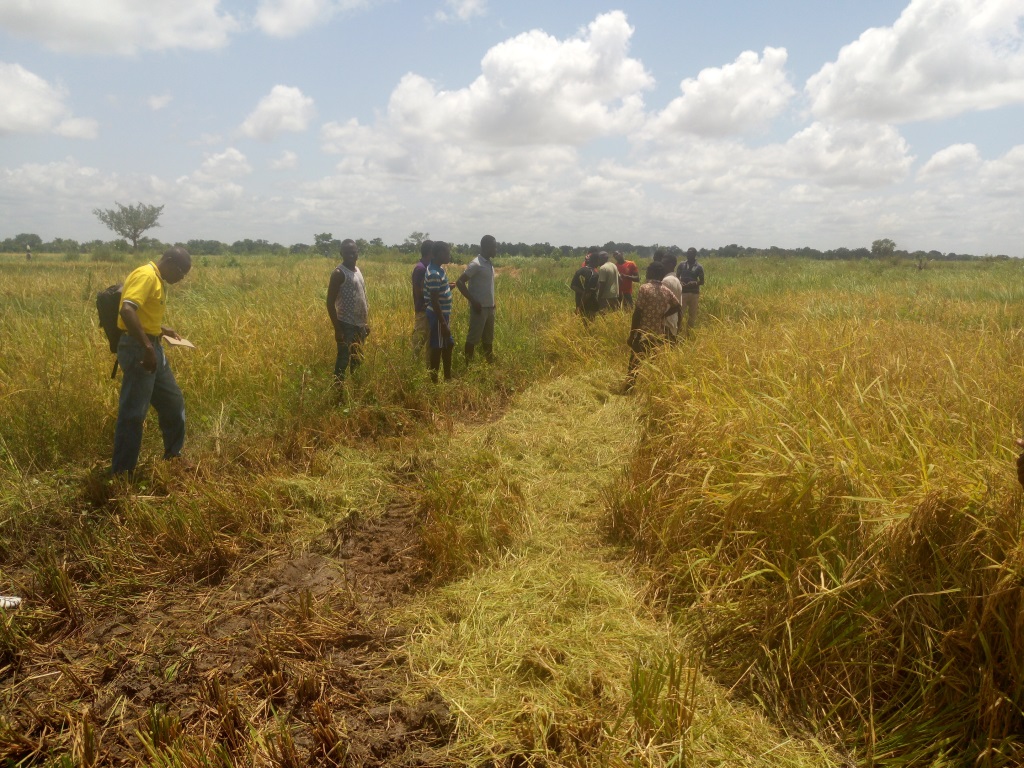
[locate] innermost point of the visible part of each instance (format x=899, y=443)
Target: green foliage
x=130, y=221
x=324, y=244
x=883, y=249
x=20, y=243
x=105, y=253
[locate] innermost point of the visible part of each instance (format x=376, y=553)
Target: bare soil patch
x=288, y=656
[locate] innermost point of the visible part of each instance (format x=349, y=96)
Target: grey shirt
x=479, y=276
x=608, y=280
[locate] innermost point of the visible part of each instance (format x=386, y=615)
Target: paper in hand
x=179, y=342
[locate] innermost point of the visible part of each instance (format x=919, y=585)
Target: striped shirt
x=436, y=279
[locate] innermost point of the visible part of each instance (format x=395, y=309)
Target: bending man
x=147, y=378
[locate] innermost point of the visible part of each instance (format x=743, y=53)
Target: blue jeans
x=350, y=340
x=139, y=390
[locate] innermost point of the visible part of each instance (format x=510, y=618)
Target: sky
x=788, y=123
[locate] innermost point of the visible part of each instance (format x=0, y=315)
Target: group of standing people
x=432, y=306
x=669, y=290
x=603, y=283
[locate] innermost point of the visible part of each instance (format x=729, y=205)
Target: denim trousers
x=350, y=348
x=139, y=390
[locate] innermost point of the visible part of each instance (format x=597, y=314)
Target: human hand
x=149, y=359
x=170, y=332
x=477, y=308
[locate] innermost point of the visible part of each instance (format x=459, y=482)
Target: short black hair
x=657, y=270
x=426, y=248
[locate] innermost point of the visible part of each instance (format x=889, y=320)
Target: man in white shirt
x=607, y=282
x=476, y=283
x=348, y=310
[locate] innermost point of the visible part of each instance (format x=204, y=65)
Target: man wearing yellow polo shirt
x=147, y=378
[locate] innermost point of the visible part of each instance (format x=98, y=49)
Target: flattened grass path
x=541, y=651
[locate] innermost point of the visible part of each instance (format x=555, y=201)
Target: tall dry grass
x=264, y=356
x=279, y=461
x=824, y=494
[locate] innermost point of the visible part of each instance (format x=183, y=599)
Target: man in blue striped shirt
x=437, y=294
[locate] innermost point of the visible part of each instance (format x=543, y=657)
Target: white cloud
x=64, y=179
x=229, y=164
x=461, y=10
x=29, y=104
x=158, y=102
x=854, y=154
x=1004, y=177
x=957, y=158
x=213, y=187
x=535, y=89
x=288, y=18
x=284, y=109
x=286, y=162
x=941, y=58
x=118, y=26
x=740, y=97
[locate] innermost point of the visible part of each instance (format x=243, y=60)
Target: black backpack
x=108, y=306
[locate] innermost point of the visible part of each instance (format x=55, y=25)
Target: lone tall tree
x=130, y=221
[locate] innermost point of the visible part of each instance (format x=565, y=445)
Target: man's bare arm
x=337, y=280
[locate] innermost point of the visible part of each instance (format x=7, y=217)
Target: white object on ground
x=9, y=603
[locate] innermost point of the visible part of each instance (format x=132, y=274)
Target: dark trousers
x=140, y=390
x=350, y=349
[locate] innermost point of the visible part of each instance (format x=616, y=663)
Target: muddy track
x=287, y=656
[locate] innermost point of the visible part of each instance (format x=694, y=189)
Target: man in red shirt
x=628, y=274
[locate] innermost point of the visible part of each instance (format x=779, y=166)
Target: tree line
x=131, y=221
x=328, y=245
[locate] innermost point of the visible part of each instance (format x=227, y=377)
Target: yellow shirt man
x=144, y=290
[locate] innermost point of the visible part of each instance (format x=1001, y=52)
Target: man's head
x=656, y=270
x=691, y=255
x=488, y=247
x=349, y=253
x=667, y=259
x=441, y=253
x=174, y=264
x=601, y=258
x=426, y=248
x=619, y=258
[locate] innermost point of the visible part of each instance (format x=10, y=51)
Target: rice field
x=796, y=543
